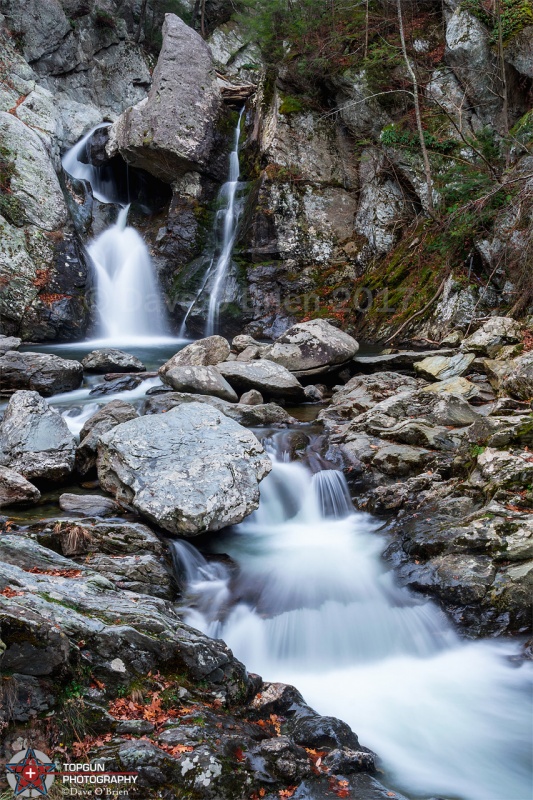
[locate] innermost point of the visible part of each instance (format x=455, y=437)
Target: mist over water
x=314, y=605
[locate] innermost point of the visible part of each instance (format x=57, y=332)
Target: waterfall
x=129, y=306
x=99, y=178
x=128, y=301
x=312, y=604
x=226, y=223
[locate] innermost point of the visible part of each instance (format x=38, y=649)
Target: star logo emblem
x=30, y=773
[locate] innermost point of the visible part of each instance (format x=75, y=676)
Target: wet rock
x=200, y=380
x=519, y=381
x=172, y=130
x=442, y=368
x=251, y=398
x=346, y=761
x=89, y=505
x=312, y=347
x=267, y=377
x=313, y=394
x=204, y=353
x=244, y=414
x=79, y=537
x=118, y=385
x=16, y=490
x=460, y=579
x=40, y=372
x=190, y=470
x=318, y=732
x=35, y=440
x=492, y=335
x=142, y=573
x=283, y=759
x=111, y=360
x=101, y=422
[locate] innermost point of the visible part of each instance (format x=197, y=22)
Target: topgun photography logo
x=30, y=773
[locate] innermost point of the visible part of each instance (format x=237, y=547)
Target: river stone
x=519, y=382
x=456, y=385
x=493, y=334
x=203, y=353
x=40, y=372
x=244, y=414
x=403, y=359
x=16, y=490
x=200, y=380
x=312, y=347
x=190, y=470
x=441, y=368
x=269, y=378
x=251, y=398
x=243, y=341
x=9, y=343
x=363, y=392
x=89, y=505
x=35, y=439
x=111, y=360
x=101, y=422
x=171, y=131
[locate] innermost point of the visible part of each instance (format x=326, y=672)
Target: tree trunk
x=141, y=21
x=202, y=19
x=425, y=157
x=503, y=75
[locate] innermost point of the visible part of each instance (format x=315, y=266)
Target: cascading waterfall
x=129, y=305
x=226, y=223
x=128, y=301
x=314, y=606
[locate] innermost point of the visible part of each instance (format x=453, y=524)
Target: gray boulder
x=35, y=440
x=171, y=131
x=9, y=343
x=200, y=380
x=251, y=398
x=40, y=372
x=441, y=367
x=312, y=347
x=106, y=418
x=251, y=416
x=493, y=334
x=519, y=382
x=269, y=378
x=459, y=386
x=111, y=360
x=16, y=490
x=403, y=359
x=203, y=353
x=363, y=392
x=189, y=470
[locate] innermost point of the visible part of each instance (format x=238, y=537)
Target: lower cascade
x=314, y=606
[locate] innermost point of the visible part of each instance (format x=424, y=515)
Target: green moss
x=515, y=16
x=290, y=105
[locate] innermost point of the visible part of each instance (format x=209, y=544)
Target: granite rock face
x=190, y=470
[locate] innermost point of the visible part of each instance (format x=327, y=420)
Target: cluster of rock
x=451, y=460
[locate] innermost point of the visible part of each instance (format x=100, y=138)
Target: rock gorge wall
x=336, y=218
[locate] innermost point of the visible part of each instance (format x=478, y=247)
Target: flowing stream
x=311, y=602
x=226, y=224
x=314, y=605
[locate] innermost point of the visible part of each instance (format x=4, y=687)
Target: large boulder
x=40, y=372
x=111, y=360
x=312, y=347
x=106, y=418
x=9, y=343
x=35, y=439
x=493, y=334
x=200, y=380
x=251, y=416
x=171, y=131
x=16, y=490
x=203, y=353
x=269, y=378
x=190, y=470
